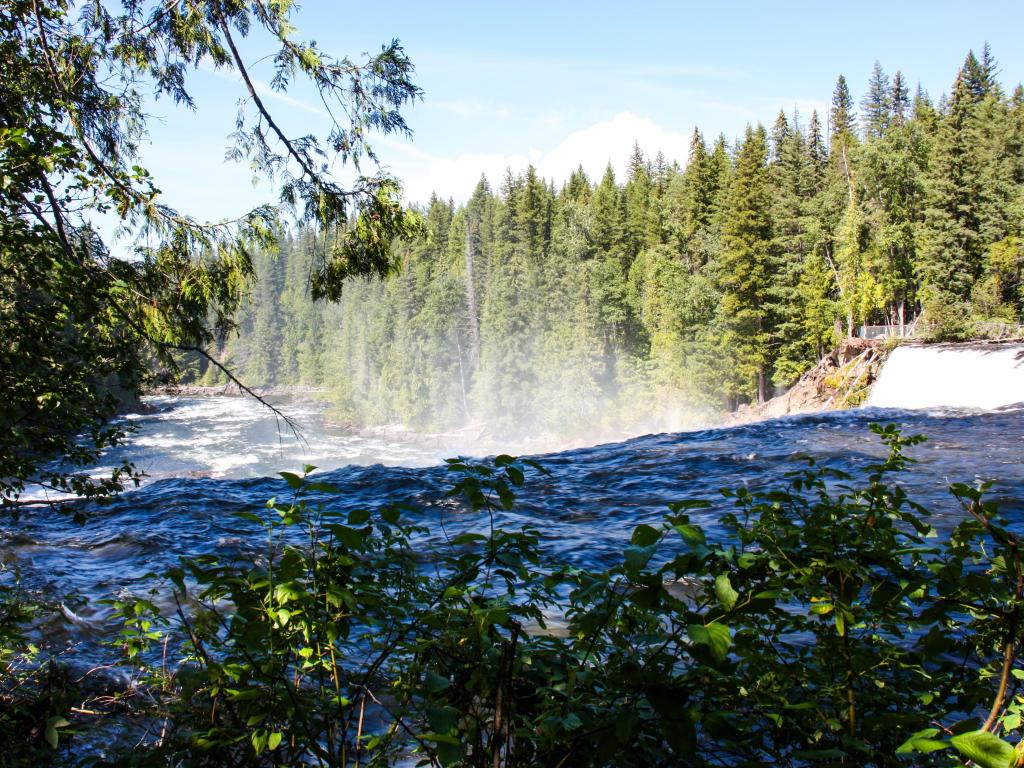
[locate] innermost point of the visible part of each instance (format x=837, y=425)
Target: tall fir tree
x=877, y=105
x=744, y=269
x=948, y=237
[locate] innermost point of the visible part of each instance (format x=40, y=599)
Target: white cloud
x=592, y=147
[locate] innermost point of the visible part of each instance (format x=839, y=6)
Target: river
x=210, y=457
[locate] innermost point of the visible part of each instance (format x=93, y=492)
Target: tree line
x=705, y=285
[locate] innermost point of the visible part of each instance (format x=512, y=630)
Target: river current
x=208, y=458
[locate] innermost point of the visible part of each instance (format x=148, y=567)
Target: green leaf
x=274, y=740
x=291, y=478
x=691, y=534
x=435, y=682
x=515, y=475
x=922, y=741
x=571, y=722
x=637, y=557
x=450, y=754
x=715, y=636
x=442, y=719
x=249, y=516
x=467, y=538
x=727, y=596
x=323, y=488
x=985, y=749
x=644, y=535
x=358, y=516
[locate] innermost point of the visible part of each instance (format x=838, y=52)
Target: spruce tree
x=877, y=105
x=948, y=238
x=842, y=121
x=744, y=269
x=638, y=198
x=816, y=144
x=900, y=99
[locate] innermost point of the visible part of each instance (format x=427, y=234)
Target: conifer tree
x=816, y=144
x=637, y=199
x=900, y=99
x=744, y=269
x=794, y=185
x=948, y=238
x=877, y=106
x=842, y=120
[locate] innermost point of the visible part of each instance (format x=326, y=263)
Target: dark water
x=586, y=509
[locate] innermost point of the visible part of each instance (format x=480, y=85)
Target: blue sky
x=563, y=83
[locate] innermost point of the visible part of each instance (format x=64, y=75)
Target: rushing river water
x=210, y=457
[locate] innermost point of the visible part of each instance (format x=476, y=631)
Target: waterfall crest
x=983, y=376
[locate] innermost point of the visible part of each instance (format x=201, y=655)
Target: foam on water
x=236, y=437
x=586, y=509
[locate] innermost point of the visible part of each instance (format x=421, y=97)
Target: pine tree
x=900, y=99
x=924, y=113
x=780, y=135
x=975, y=76
x=638, y=198
x=794, y=184
x=743, y=268
x=842, y=121
x=877, y=106
x=949, y=240
x=816, y=144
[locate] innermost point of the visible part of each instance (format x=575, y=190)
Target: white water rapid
x=982, y=376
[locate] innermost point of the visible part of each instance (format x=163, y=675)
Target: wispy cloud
x=593, y=148
x=264, y=89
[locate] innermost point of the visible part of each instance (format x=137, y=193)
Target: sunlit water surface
x=208, y=458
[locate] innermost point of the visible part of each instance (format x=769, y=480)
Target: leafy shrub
x=828, y=626
x=35, y=693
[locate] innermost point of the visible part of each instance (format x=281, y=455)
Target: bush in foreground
x=828, y=626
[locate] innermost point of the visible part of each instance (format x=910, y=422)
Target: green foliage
x=80, y=326
x=825, y=621
x=744, y=269
x=35, y=697
x=530, y=310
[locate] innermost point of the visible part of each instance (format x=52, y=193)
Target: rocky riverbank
x=842, y=379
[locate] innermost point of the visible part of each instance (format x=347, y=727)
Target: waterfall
x=951, y=375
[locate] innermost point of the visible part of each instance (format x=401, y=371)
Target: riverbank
x=841, y=379
x=844, y=378
x=292, y=391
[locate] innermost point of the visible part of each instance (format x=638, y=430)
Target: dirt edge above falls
x=841, y=379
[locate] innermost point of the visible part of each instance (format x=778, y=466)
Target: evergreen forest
x=677, y=290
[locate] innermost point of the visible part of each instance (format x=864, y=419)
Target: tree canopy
x=82, y=326
x=535, y=309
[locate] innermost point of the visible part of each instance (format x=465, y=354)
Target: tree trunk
x=761, y=386
x=474, y=317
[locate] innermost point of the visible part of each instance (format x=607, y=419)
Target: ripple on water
x=212, y=458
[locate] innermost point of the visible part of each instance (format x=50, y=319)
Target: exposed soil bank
x=842, y=379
